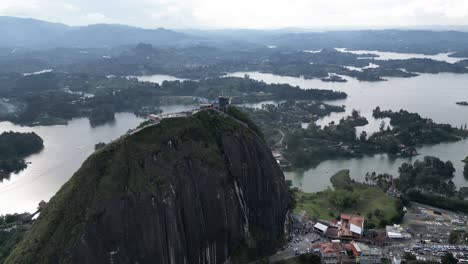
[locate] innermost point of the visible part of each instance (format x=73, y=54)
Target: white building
x=458, y=222
x=397, y=232
x=321, y=228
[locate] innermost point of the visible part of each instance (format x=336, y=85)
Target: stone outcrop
x=198, y=189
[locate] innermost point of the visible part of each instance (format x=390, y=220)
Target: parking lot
x=435, y=252
x=429, y=227
x=297, y=245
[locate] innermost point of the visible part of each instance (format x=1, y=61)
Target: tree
x=378, y=213
x=355, y=114
x=465, y=168
x=409, y=257
x=310, y=258
x=383, y=222
x=431, y=174
x=382, y=126
x=376, y=110
x=301, y=159
x=343, y=199
x=458, y=237
x=363, y=136
x=448, y=258
x=294, y=140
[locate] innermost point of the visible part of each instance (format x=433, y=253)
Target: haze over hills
x=37, y=34
x=184, y=135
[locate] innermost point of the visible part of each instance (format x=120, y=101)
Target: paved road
x=300, y=245
x=280, y=142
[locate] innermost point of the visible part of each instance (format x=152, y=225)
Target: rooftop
x=351, y=225
x=321, y=227
x=331, y=249
x=396, y=232
x=332, y=232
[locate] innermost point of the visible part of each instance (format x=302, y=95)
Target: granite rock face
x=189, y=190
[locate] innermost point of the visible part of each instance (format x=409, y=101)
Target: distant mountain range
x=36, y=34
x=32, y=33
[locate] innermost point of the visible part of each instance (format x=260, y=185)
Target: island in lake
x=302, y=148
x=14, y=148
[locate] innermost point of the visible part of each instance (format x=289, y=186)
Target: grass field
x=370, y=202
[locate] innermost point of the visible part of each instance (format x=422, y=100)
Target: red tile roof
x=347, y=221
x=345, y=216
x=328, y=248
x=357, y=220
x=349, y=247
x=332, y=232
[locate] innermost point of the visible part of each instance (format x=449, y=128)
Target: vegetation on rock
x=205, y=180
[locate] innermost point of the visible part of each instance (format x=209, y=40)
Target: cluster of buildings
x=347, y=240
x=221, y=104
x=350, y=242
x=336, y=252
x=345, y=246
x=349, y=227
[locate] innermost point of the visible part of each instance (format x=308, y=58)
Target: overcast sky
x=243, y=13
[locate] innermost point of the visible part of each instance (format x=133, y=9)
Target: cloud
x=243, y=13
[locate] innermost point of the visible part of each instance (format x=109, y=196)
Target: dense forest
x=208, y=61
x=429, y=181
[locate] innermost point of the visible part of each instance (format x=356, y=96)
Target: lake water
x=402, y=56
x=66, y=147
x=360, y=69
x=157, y=78
x=259, y=104
x=430, y=95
